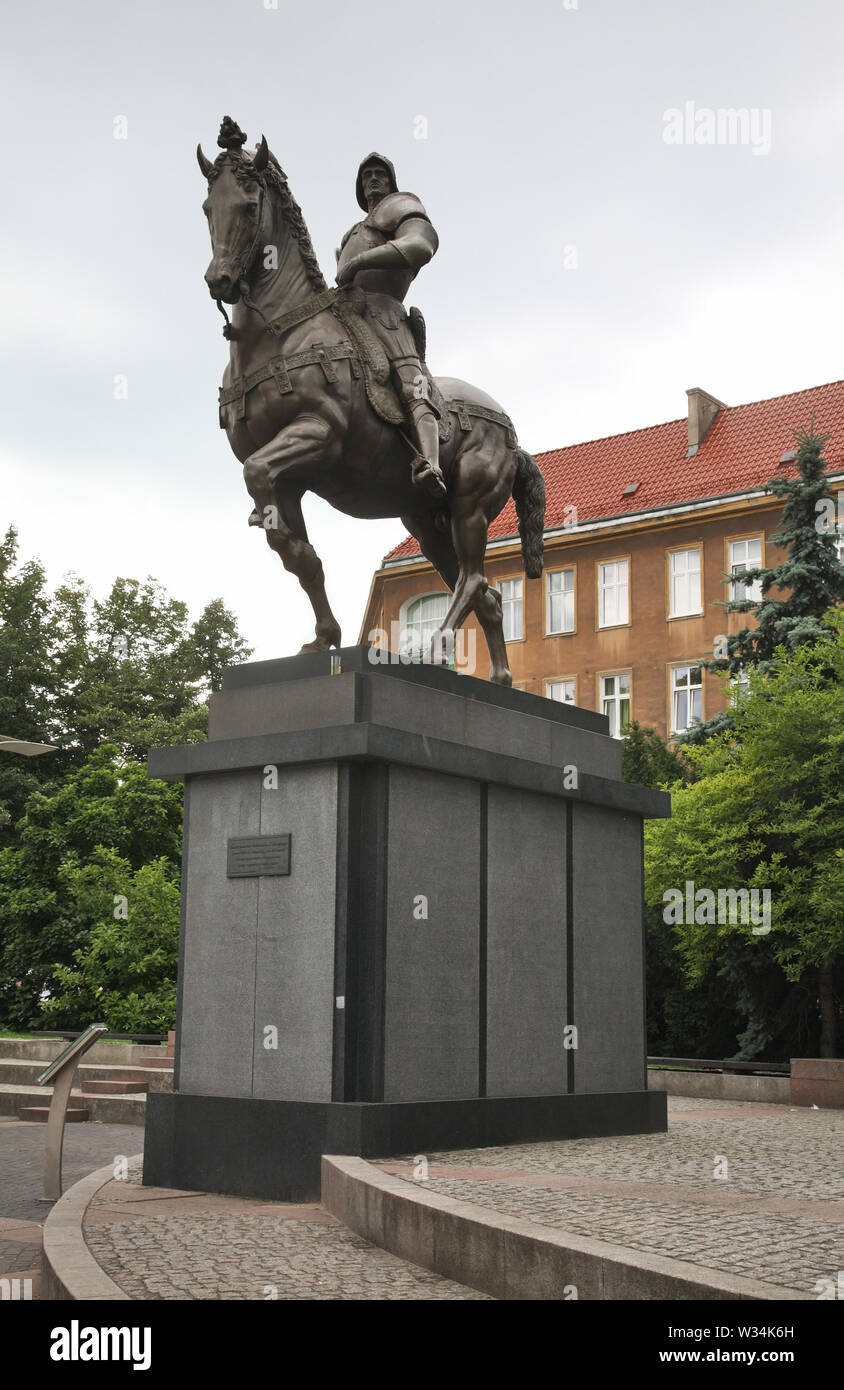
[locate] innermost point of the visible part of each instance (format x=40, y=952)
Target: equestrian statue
x=327, y=389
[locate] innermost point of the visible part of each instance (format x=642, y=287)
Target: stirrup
x=428, y=476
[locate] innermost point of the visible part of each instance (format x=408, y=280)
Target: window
x=421, y=619
x=612, y=593
x=560, y=690
x=686, y=697
x=615, y=703
x=511, y=598
x=739, y=685
x=746, y=554
x=559, y=602
x=684, y=582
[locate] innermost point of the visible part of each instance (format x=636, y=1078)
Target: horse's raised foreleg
x=273, y=476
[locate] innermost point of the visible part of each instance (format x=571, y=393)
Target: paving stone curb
x=770, y=1090
x=68, y=1269
x=510, y=1258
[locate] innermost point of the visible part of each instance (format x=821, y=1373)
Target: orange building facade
x=643, y=533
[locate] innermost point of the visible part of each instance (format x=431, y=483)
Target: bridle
x=243, y=284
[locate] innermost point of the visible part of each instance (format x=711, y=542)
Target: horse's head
x=236, y=208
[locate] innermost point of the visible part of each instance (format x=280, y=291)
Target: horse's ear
x=205, y=164
x=261, y=156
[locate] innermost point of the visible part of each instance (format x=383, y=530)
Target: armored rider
x=381, y=256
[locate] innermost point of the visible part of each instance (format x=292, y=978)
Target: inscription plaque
x=258, y=856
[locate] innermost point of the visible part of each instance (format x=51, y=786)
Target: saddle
x=349, y=307
x=365, y=352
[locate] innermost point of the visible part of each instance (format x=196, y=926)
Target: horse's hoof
x=319, y=646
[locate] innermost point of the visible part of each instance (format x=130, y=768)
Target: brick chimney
x=702, y=411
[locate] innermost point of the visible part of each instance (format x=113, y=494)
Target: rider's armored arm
x=416, y=242
x=412, y=239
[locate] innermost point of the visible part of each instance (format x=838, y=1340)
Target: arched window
x=419, y=621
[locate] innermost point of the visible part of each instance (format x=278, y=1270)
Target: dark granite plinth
x=272, y=1149
x=456, y=956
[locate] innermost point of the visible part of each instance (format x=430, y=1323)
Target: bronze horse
x=296, y=412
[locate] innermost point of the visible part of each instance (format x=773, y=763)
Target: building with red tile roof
x=641, y=531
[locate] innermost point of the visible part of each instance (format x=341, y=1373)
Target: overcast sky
x=710, y=265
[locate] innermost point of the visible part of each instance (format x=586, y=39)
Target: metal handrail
x=71, y=1033
x=61, y=1072
x=707, y=1064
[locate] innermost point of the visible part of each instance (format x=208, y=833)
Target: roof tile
x=741, y=452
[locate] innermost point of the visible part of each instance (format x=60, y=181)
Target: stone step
x=40, y=1114
x=145, y=1074
x=114, y=1088
x=43, y=1050
x=17, y=1071
x=123, y=1109
x=160, y=1060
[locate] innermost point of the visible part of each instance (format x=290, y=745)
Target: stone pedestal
x=411, y=920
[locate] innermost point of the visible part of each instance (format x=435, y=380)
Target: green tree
x=129, y=670
x=105, y=804
x=647, y=760
x=136, y=673
x=215, y=643
x=767, y=812
x=809, y=578
x=27, y=680
x=125, y=973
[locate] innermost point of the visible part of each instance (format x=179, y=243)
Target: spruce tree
x=647, y=760
x=810, y=579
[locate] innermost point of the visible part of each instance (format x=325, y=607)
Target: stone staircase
x=111, y=1083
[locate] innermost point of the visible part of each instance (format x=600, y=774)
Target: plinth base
x=272, y=1149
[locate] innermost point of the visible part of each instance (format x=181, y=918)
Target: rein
x=278, y=326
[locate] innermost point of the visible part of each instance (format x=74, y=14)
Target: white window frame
x=618, y=586
x=568, y=601
x=839, y=527
x=513, y=608
x=611, y=702
x=688, y=690
x=407, y=626
x=550, y=686
x=752, y=591
x=739, y=685
x=692, y=604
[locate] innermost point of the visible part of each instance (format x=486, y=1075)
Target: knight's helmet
x=380, y=159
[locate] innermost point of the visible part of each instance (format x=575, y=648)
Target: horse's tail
x=529, y=496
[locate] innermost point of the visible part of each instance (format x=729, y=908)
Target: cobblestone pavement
x=86, y=1147
x=749, y=1189
x=743, y=1188
x=157, y=1244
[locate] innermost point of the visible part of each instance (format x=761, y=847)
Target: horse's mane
x=273, y=176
